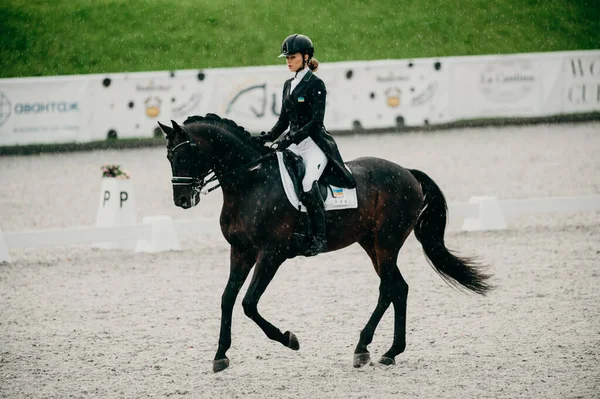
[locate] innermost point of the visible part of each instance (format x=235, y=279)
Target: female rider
x=303, y=111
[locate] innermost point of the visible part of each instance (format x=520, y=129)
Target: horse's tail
x=429, y=230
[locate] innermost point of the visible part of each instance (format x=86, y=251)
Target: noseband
x=198, y=183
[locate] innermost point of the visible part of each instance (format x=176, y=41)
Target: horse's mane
x=239, y=131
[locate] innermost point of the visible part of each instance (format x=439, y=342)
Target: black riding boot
x=315, y=206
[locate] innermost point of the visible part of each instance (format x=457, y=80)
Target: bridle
x=198, y=183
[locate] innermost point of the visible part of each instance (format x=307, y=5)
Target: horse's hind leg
x=397, y=290
x=361, y=353
x=392, y=289
x=264, y=271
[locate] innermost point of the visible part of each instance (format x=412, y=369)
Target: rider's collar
x=300, y=74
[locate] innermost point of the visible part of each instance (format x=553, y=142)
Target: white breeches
x=314, y=160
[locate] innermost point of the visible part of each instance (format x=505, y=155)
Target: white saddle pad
x=337, y=197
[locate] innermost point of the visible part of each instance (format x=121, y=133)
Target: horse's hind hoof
x=292, y=341
x=387, y=361
x=360, y=359
x=220, y=365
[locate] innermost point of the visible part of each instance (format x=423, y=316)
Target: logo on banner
x=507, y=81
x=393, y=97
x=152, y=106
x=255, y=99
x=390, y=77
x=188, y=107
x=5, y=108
x=583, y=83
x=426, y=95
x=47, y=107
x=151, y=86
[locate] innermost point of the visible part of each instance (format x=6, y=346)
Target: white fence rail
x=550, y=205
x=161, y=233
x=76, y=236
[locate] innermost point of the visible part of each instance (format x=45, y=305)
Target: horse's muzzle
x=182, y=202
x=186, y=202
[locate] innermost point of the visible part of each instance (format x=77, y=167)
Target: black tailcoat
x=303, y=111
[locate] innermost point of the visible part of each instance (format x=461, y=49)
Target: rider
x=303, y=110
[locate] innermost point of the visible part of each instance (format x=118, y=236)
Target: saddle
x=295, y=167
x=292, y=171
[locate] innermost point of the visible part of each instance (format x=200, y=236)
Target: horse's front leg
x=241, y=264
x=266, y=267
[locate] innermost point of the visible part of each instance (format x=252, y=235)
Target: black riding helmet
x=297, y=44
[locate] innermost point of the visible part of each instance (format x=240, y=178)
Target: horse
x=259, y=223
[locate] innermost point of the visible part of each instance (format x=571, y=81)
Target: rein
x=199, y=183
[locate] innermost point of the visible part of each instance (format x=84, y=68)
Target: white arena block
x=489, y=217
x=116, y=208
x=4, y=255
x=163, y=236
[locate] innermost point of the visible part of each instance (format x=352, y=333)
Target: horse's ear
x=166, y=129
x=176, y=127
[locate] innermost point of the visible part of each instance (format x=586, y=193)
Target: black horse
x=259, y=223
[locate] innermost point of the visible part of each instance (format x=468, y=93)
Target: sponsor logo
x=392, y=95
x=390, y=77
x=254, y=98
x=583, y=87
x=426, y=95
x=507, y=81
x=46, y=107
x=37, y=109
x=5, y=108
x=151, y=86
x=188, y=107
x=152, y=106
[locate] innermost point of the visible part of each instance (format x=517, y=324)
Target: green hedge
x=63, y=37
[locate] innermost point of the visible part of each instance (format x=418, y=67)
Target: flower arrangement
x=114, y=171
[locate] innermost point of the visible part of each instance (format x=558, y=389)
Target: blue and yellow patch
x=300, y=99
x=337, y=192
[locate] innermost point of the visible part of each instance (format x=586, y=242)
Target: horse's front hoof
x=360, y=359
x=387, y=361
x=220, y=365
x=292, y=341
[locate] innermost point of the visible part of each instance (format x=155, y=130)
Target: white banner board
x=129, y=105
x=44, y=110
x=360, y=94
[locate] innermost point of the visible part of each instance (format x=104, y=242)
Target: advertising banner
x=360, y=95
x=386, y=94
x=495, y=87
x=44, y=110
x=130, y=105
x=251, y=97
